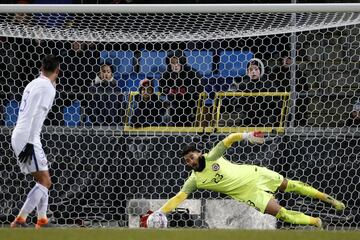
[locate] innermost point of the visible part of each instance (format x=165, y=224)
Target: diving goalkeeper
x=250, y=184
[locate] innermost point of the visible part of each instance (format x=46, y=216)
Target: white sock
x=42, y=206
x=32, y=200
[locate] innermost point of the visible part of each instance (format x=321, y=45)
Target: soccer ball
x=157, y=220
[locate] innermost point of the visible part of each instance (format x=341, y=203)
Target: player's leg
x=306, y=190
x=264, y=202
x=268, y=182
x=43, y=178
x=293, y=217
x=38, y=195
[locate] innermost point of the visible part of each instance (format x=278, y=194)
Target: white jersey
x=36, y=102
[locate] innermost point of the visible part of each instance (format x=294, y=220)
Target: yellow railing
x=215, y=115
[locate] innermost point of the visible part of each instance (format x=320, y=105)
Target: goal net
x=138, y=83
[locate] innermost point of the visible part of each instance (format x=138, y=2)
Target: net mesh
x=124, y=110
x=160, y=27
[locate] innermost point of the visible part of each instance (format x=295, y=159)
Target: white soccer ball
x=157, y=220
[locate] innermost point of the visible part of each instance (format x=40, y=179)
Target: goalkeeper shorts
x=260, y=188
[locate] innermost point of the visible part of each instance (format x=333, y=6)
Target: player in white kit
x=37, y=100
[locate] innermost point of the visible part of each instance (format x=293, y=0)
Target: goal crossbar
x=179, y=8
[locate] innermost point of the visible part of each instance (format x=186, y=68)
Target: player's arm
x=40, y=100
x=31, y=104
x=252, y=137
x=222, y=146
x=189, y=187
x=186, y=190
x=173, y=202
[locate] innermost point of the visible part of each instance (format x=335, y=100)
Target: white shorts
x=38, y=161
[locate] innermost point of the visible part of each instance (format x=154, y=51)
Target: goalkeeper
x=250, y=184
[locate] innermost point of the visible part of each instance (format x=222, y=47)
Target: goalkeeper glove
x=254, y=137
x=26, y=153
x=144, y=217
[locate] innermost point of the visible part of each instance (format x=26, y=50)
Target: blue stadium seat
x=11, y=113
x=72, y=114
x=155, y=84
x=233, y=63
x=200, y=60
x=132, y=82
x=122, y=61
x=152, y=63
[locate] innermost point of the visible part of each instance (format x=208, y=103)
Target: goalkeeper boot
x=339, y=206
x=319, y=223
x=19, y=222
x=43, y=223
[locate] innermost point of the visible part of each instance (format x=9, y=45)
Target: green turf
x=170, y=234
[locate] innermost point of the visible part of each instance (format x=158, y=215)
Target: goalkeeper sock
x=294, y=217
x=303, y=189
x=32, y=200
x=307, y=190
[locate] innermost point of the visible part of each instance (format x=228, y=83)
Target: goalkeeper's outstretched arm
x=165, y=209
x=252, y=137
x=222, y=146
x=186, y=190
x=173, y=202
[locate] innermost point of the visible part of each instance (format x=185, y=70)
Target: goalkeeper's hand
x=254, y=137
x=144, y=217
x=26, y=153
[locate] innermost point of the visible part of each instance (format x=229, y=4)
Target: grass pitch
x=170, y=234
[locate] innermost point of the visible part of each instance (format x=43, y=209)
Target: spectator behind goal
x=147, y=107
x=105, y=77
x=255, y=80
x=259, y=110
x=103, y=105
x=181, y=85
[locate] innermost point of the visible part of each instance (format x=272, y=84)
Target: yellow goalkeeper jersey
x=220, y=175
